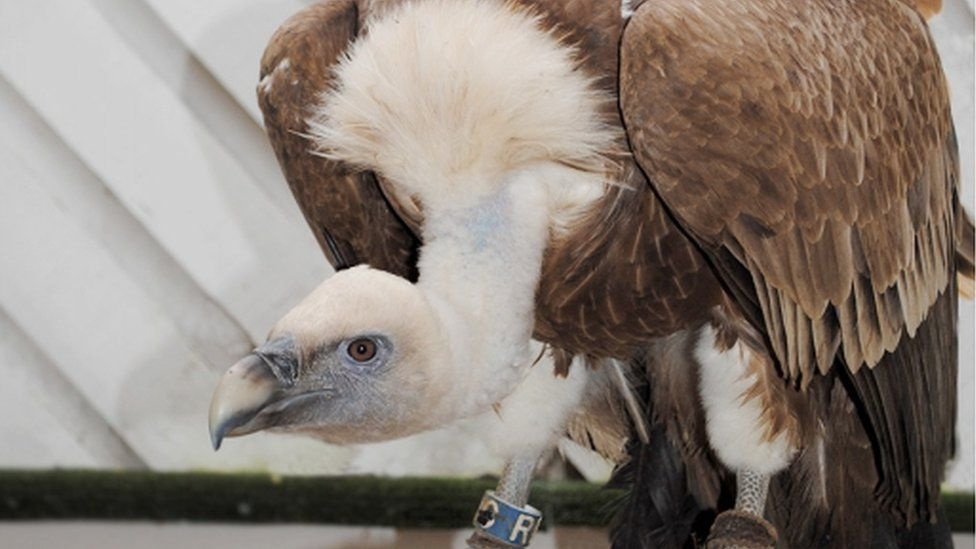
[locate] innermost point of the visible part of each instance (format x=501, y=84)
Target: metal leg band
x=506, y=523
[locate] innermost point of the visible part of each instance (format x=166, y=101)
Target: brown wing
x=808, y=147
x=625, y=274
x=346, y=210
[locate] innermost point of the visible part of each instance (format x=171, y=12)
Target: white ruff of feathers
x=735, y=423
x=482, y=116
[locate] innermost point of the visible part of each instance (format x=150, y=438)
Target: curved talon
x=741, y=530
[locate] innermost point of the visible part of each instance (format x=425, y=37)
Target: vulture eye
x=362, y=349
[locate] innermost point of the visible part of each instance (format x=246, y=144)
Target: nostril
x=282, y=356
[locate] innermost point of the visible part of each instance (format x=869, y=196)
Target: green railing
x=351, y=500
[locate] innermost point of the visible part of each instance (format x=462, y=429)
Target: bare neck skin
x=479, y=267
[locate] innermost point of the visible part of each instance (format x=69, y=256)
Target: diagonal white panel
x=204, y=326
x=229, y=36
x=138, y=138
x=41, y=426
x=150, y=38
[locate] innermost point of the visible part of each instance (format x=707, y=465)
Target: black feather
x=659, y=510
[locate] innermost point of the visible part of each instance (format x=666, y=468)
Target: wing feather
x=812, y=140
x=352, y=218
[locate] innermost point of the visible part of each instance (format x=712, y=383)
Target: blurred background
x=148, y=239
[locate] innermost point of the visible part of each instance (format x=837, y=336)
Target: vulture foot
x=737, y=529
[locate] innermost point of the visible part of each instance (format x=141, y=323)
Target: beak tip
x=217, y=427
x=242, y=392
x=218, y=431
x=216, y=438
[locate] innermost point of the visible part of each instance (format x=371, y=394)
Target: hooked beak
x=247, y=388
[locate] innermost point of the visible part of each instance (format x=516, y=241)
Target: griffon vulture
x=746, y=209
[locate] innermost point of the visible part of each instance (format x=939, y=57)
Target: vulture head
x=355, y=361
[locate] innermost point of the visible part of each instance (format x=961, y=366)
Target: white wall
x=147, y=238
x=953, y=33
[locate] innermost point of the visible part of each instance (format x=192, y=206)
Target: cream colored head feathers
x=360, y=301
x=442, y=95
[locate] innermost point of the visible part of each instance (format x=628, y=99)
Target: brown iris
x=362, y=350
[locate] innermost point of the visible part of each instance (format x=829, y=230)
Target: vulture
x=734, y=224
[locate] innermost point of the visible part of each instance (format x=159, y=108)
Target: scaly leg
x=751, y=490
x=516, y=480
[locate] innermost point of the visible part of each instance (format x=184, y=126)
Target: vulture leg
x=738, y=423
x=751, y=489
x=523, y=427
x=504, y=512
x=516, y=479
